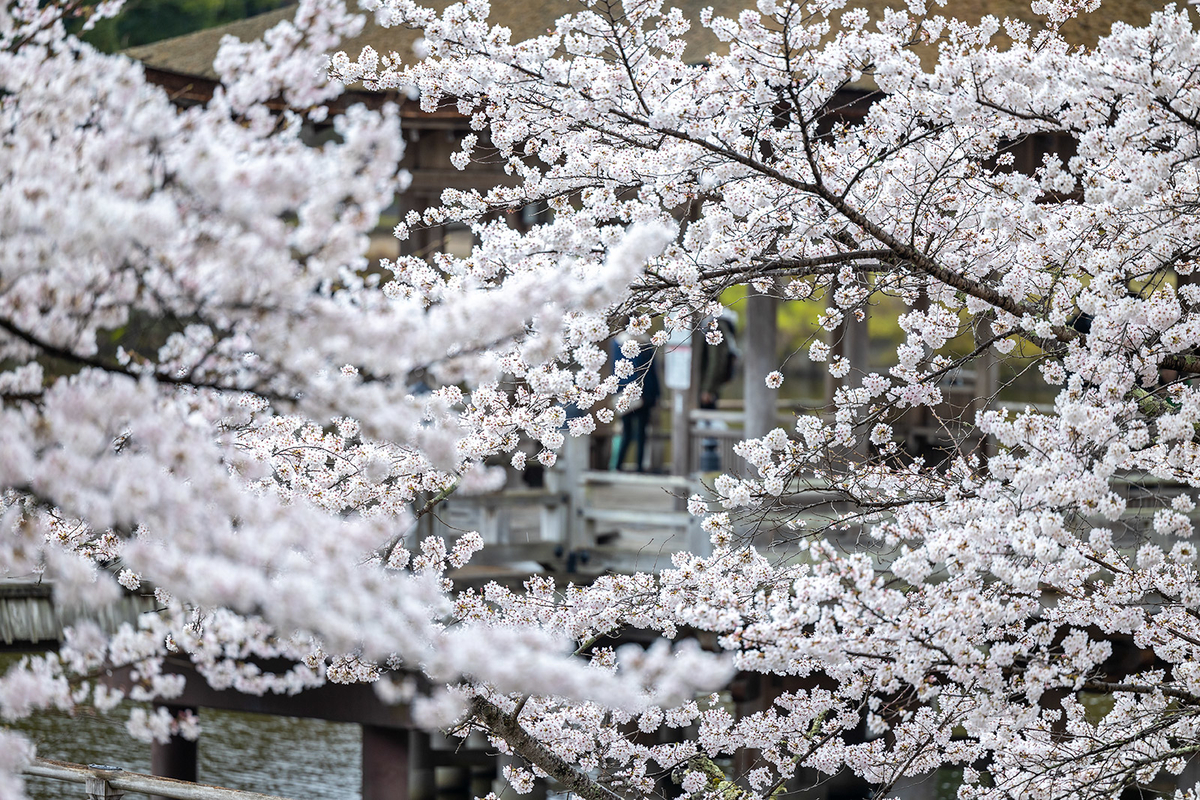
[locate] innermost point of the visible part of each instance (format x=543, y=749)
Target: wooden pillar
x=758, y=350
x=987, y=378
x=97, y=787
x=396, y=765
x=404, y=204
x=178, y=758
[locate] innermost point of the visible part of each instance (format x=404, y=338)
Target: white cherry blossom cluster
x=204, y=390
x=982, y=589
x=259, y=449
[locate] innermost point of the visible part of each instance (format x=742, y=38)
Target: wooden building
x=183, y=66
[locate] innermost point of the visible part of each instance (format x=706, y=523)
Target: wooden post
x=98, y=788
x=396, y=765
x=178, y=758
x=758, y=350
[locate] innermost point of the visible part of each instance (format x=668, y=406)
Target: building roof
x=193, y=53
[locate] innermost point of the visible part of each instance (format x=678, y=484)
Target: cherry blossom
x=979, y=610
x=206, y=390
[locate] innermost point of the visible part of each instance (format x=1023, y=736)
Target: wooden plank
x=336, y=702
x=515, y=497
x=612, y=478
x=655, y=519
x=121, y=780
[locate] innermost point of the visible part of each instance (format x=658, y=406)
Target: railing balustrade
x=111, y=783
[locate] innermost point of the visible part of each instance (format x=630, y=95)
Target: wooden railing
x=111, y=783
x=582, y=520
x=713, y=434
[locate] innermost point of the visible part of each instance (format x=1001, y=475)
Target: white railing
x=111, y=783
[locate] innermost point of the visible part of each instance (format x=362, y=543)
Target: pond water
x=296, y=758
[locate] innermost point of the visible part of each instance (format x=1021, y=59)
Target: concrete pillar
x=683, y=402
x=396, y=765
x=681, y=412
x=850, y=340
x=758, y=352
x=857, y=349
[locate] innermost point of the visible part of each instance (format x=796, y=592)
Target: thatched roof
x=193, y=53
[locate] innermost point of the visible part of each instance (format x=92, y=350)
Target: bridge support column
x=179, y=757
x=396, y=765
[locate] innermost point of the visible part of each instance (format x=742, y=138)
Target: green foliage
x=146, y=21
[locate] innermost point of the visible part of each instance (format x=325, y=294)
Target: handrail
x=599, y=477
x=112, y=782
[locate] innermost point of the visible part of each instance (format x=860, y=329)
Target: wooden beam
x=335, y=702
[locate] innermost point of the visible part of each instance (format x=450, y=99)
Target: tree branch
x=536, y=753
x=63, y=353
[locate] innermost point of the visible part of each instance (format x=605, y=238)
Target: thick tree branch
x=55, y=351
x=527, y=747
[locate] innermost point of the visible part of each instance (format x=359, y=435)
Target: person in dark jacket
x=635, y=422
x=718, y=362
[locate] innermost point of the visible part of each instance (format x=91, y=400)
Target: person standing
x=635, y=422
x=718, y=362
